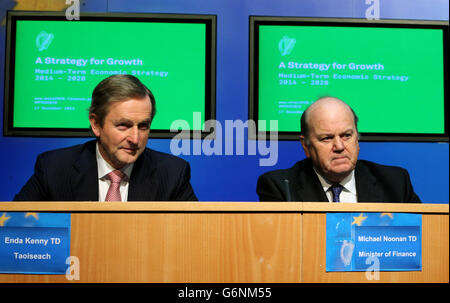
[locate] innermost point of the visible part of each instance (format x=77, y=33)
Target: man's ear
x=94, y=124
x=304, y=145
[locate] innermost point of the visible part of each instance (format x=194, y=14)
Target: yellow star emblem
x=390, y=215
x=35, y=215
x=358, y=220
x=3, y=219
x=54, y=5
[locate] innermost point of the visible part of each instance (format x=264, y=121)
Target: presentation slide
x=392, y=77
x=59, y=63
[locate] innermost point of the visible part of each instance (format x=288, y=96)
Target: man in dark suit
x=332, y=172
x=117, y=166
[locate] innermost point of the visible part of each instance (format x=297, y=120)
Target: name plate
x=374, y=241
x=34, y=243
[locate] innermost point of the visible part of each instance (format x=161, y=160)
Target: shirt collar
x=348, y=182
x=104, y=168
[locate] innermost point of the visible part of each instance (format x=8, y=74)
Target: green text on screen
x=59, y=63
x=392, y=77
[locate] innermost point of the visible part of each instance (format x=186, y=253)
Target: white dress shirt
x=348, y=194
x=104, y=168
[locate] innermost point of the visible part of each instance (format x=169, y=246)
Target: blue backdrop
x=233, y=177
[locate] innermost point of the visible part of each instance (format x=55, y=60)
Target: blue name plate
x=357, y=242
x=37, y=245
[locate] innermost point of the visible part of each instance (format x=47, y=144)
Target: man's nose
x=133, y=135
x=338, y=144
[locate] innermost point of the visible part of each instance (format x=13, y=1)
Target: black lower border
x=228, y=292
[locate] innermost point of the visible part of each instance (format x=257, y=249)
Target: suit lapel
x=143, y=182
x=308, y=187
x=84, y=180
x=367, y=187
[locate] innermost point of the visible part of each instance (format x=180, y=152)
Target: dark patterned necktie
x=336, y=190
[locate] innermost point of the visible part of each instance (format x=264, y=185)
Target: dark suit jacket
x=70, y=174
x=374, y=183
